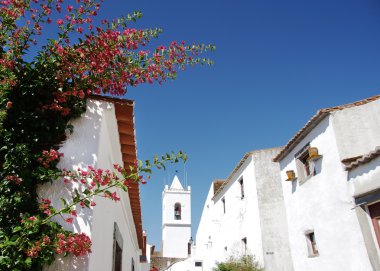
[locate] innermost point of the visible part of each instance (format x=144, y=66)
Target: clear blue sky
x=276, y=64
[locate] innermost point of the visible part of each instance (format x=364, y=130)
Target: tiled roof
x=314, y=121
x=124, y=111
x=357, y=161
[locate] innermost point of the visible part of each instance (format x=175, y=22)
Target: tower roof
x=176, y=184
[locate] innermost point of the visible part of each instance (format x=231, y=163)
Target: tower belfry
x=176, y=220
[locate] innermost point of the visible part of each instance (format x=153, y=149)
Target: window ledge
x=313, y=256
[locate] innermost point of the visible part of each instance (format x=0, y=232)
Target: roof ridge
x=315, y=119
x=353, y=104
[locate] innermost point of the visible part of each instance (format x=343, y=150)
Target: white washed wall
x=95, y=142
x=323, y=204
x=357, y=129
x=218, y=230
x=176, y=233
x=254, y=217
x=365, y=178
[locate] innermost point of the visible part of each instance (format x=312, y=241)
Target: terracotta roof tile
x=314, y=121
x=357, y=161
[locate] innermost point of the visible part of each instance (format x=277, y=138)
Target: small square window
x=311, y=244
x=198, y=263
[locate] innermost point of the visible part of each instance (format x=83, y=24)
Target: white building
x=330, y=173
x=245, y=215
x=176, y=220
x=103, y=136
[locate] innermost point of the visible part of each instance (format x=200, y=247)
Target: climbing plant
x=44, y=84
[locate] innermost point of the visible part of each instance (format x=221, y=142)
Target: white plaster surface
x=95, y=142
x=176, y=233
x=357, y=129
x=365, y=178
x=323, y=204
x=220, y=234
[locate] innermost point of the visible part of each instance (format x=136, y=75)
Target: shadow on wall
x=80, y=151
x=69, y=263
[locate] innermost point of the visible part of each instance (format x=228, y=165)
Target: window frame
x=305, y=168
x=177, y=208
x=117, y=251
x=241, y=182
x=312, y=246
x=198, y=263
x=244, y=245
x=374, y=215
x=224, y=204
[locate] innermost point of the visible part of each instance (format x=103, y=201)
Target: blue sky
x=276, y=64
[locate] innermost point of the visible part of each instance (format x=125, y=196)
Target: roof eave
x=310, y=125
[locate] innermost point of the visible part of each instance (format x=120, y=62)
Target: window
x=311, y=244
x=133, y=265
x=198, y=264
x=305, y=162
x=374, y=211
x=305, y=169
x=244, y=246
x=189, y=244
x=177, y=211
x=241, y=188
x=117, y=249
x=224, y=205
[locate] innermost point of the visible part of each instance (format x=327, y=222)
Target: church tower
x=176, y=220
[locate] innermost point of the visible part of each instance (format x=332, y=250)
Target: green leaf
x=87, y=192
x=64, y=203
x=17, y=229
x=28, y=261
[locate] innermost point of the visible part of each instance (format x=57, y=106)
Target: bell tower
x=176, y=220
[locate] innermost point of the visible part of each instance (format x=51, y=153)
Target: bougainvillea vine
x=44, y=84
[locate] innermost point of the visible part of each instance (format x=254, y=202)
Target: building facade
x=330, y=180
x=241, y=216
x=103, y=136
x=312, y=205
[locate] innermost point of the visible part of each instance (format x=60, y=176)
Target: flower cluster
x=77, y=244
x=49, y=157
x=46, y=207
x=36, y=248
x=14, y=178
x=109, y=60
